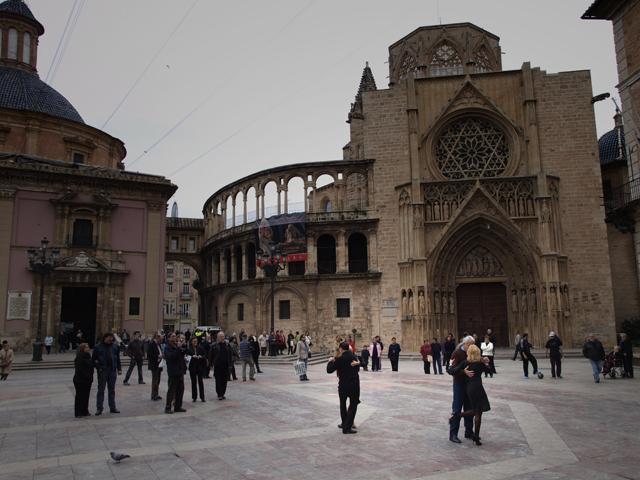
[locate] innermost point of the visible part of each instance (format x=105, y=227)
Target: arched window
x=251, y=260
x=238, y=252
x=358, y=255
x=12, y=44
x=472, y=147
x=407, y=64
x=82, y=233
x=326, y=247
x=26, y=48
x=445, y=61
x=327, y=206
x=481, y=58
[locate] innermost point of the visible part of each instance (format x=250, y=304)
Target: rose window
x=472, y=147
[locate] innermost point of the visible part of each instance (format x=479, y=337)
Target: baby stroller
x=613, y=365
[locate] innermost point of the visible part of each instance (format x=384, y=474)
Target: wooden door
x=482, y=306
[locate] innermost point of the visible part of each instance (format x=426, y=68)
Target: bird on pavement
x=117, y=457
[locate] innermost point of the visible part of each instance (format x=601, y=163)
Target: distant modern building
x=65, y=180
x=469, y=197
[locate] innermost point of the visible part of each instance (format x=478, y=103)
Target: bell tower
x=19, y=33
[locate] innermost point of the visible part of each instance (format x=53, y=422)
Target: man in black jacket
x=527, y=356
x=594, y=351
x=106, y=359
x=627, y=355
x=154, y=357
x=176, y=368
x=135, y=351
x=221, y=359
x=555, y=355
x=347, y=366
x=394, y=354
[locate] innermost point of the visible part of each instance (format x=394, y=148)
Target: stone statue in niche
x=545, y=213
x=567, y=299
x=422, y=308
x=533, y=300
x=554, y=298
x=514, y=301
x=452, y=306
x=523, y=294
x=411, y=303
x=445, y=303
x=436, y=301
x=405, y=304
x=544, y=299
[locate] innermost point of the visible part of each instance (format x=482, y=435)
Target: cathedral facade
x=469, y=197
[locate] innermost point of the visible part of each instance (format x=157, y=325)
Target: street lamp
x=272, y=262
x=42, y=261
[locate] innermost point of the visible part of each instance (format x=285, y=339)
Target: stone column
x=372, y=251
x=279, y=199
x=312, y=255
x=234, y=277
x=244, y=208
x=245, y=263
x=233, y=211
x=154, y=285
x=222, y=268
x=341, y=253
x=286, y=199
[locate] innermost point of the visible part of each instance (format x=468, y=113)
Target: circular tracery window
x=472, y=147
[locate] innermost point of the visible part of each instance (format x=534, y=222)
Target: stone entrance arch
x=486, y=260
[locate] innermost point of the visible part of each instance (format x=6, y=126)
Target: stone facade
x=482, y=209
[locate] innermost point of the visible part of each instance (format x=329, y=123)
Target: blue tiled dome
x=22, y=90
x=18, y=7
x=609, y=146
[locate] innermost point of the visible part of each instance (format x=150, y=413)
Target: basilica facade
x=469, y=197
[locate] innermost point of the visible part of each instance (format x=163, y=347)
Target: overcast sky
x=272, y=81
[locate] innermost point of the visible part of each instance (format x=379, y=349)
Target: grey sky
x=279, y=75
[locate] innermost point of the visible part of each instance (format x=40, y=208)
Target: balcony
x=622, y=196
x=185, y=296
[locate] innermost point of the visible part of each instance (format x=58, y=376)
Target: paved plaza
x=280, y=428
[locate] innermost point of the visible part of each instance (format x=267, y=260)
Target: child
x=364, y=358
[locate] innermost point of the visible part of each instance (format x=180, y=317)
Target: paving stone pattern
x=280, y=428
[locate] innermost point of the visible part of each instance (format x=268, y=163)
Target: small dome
x=19, y=8
x=612, y=146
x=20, y=90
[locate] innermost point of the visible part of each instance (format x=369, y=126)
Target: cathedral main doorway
x=79, y=309
x=482, y=306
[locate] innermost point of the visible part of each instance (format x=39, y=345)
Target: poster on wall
x=19, y=305
x=285, y=234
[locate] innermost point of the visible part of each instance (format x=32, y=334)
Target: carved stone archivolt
x=480, y=262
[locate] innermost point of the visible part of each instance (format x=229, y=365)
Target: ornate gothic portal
x=473, y=272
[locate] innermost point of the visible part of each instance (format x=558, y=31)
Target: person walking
x=460, y=399
x=364, y=358
x=155, y=356
x=627, y=355
x=6, y=360
x=106, y=359
x=554, y=353
x=176, y=368
x=303, y=356
x=427, y=356
x=394, y=354
x=594, y=351
x=235, y=355
x=221, y=357
x=375, y=351
x=479, y=402
x=263, y=342
x=82, y=380
x=48, y=343
x=347, y=366
x=527, y=356
x=449, y=347
x=517, y=343
x=290, y=343
x=255, y=352
x=197, y=367
x=487, y=348
x=436, y=354
x=135, y=351
x=246, y=357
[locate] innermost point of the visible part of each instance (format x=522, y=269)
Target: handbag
x=300, y=368
x=429, y=359
x=162, y=364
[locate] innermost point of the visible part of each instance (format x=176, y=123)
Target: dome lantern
x=19, y=32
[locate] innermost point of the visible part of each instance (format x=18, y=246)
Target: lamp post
x=272, y=262
x=43, y=261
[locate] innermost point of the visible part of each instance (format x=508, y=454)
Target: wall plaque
x=19, y=306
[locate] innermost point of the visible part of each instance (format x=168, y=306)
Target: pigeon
x=117, y=457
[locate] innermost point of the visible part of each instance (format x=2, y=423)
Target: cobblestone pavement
x=280, y=428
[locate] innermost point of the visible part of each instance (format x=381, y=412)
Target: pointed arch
x=445, y=60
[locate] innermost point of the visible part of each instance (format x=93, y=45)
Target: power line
x=263, y=114
x=64, y=32
x=218, y=88
x=72, y=27
x=151, y=62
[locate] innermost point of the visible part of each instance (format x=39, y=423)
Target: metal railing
x=622, y=196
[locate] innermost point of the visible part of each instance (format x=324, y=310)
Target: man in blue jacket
x=106, y=359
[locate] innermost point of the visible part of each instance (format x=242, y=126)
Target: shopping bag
x=300, y=367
